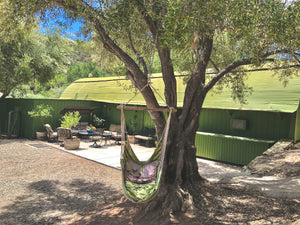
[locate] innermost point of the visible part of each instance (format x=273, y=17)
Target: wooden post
x=146, y=109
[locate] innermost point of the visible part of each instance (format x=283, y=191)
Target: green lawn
x=268, y=92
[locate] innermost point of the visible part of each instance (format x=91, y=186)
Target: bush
x=70, y=119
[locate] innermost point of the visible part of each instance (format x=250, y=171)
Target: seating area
x=98, y=137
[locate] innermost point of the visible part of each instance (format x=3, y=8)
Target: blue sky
x=70, y=30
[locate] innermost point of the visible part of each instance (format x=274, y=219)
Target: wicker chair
x=63, y=133
x=51, y=135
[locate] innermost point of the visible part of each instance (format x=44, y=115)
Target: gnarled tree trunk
x=180, y=176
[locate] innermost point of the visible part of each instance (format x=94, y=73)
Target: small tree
x=70, y=119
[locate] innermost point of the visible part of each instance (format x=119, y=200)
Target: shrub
x=70, y=119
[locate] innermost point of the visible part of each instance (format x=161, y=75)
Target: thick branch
x=195, y=92
x=242, y=62
x=296, y=58
x=147, y=18
x=164, y=55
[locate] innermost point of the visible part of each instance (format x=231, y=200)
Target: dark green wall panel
x=231, y=149
x=259, y=124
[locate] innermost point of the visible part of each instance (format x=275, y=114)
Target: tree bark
x=180, y=175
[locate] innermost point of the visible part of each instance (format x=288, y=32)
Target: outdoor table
x=84, y=134
x=106, y=137
x=96, y=138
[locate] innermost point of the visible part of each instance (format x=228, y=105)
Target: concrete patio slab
x=213, y=171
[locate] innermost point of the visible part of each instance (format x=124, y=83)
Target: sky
x=71, y=30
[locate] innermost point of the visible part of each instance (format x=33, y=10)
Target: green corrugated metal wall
x=259, y=124
x=230, y=149
x=135, y=120
x=29, y=125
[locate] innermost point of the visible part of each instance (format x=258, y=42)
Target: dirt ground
x=47, y=186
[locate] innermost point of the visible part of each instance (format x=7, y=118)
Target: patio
x=213, y=171
x=108, y=154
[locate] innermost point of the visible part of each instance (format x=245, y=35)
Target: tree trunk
x=180, y=175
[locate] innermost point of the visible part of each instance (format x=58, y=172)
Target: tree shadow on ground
x=54, y=202
x=80, y=202
x=231, y=204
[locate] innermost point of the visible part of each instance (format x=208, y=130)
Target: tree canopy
x=29, y=57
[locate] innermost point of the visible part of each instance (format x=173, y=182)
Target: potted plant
x=40, y=113
x=98, y=122
x=69, y=120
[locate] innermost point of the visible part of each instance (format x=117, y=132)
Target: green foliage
x=70, y=119
x=98, y=122
x=29, y=57
x=41, y=111
x=84, y=70
x=243, y=32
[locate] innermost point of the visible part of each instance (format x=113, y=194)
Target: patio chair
x=97, y=136
x=51, y=135
x=63, y=133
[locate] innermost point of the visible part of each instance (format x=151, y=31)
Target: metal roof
x=269, y=94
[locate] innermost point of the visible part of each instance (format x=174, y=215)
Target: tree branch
x=140, y=57
x=147, y=18
x=214, y=65
x=195, y=92
x=296, y=57
x=155, y=29
x=263, y=57
x=225, y=71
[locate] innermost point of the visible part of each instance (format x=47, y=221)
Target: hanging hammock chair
x=141, y=179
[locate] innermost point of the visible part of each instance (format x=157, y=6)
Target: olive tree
x=192, y=35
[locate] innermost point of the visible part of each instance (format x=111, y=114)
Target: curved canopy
x=269, y=94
